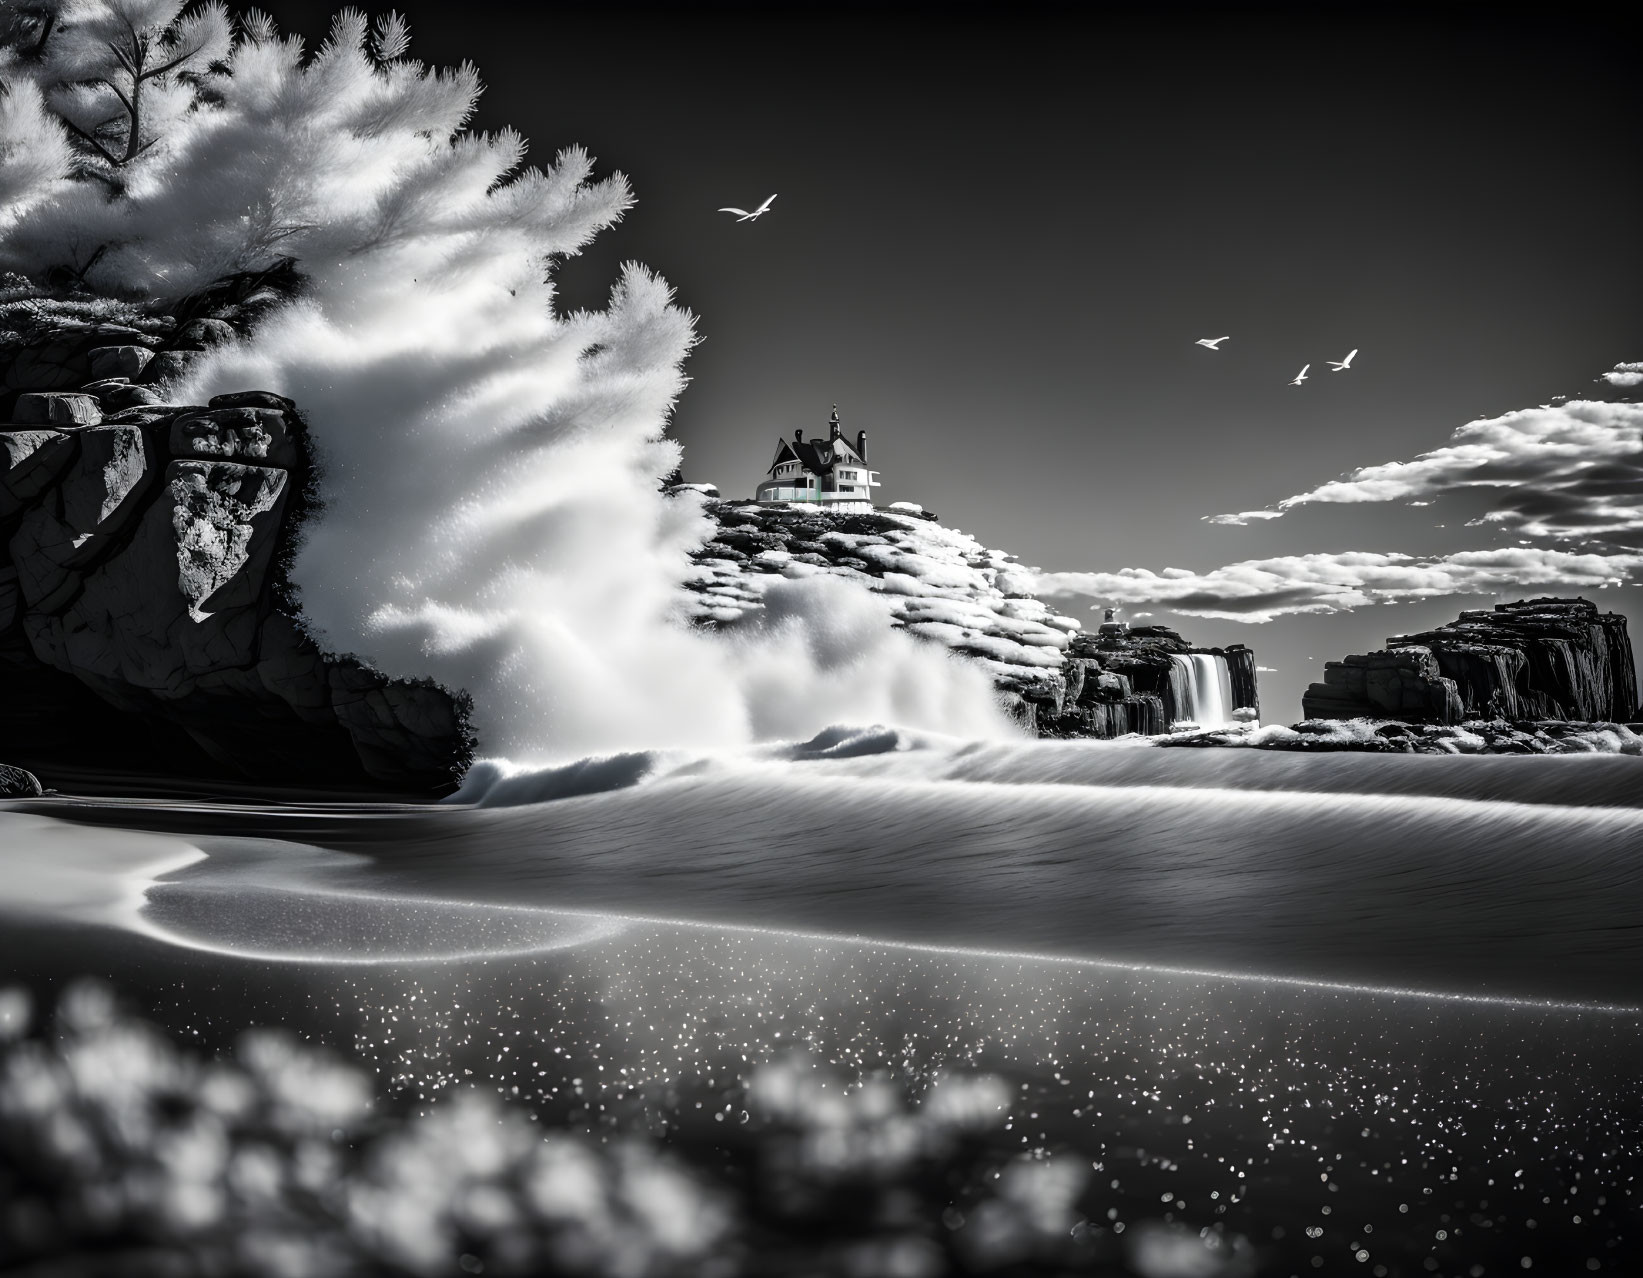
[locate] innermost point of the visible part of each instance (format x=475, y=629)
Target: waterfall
x=1201, y=685
x=1180, y=689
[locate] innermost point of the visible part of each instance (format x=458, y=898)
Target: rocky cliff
x=146, y=620
x=945, y=587
x=148, y=624
x=1128, y=681
x=1537, y=659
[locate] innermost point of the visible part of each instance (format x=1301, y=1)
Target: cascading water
x=1216, y=678
x=1180, y=690
x=1201, y=684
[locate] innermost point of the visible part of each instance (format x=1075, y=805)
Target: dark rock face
x=143, y=560
x=1537, y=659
x=1124, y=682
x=58, y=408
x=1401, y=683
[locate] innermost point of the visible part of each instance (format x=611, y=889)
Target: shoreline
x=1494, y=877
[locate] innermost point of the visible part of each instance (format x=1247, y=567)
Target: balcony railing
x=824, y=497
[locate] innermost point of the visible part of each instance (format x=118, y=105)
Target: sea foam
x=492, y=514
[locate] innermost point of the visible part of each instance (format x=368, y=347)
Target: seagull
x=742, y=215
x=1213, y=343
x=1301, y=376
x=1336, y=365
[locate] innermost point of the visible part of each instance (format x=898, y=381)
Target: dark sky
x=999, y=230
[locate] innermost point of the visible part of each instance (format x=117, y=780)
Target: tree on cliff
x=146, y=150
x=491, y=515
x=122, y=74
x=491, y=509
x=35, y=155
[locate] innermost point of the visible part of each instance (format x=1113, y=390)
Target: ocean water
x=1502, y=877
x=1366, y=1013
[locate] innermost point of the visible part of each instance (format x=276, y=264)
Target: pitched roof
x=815, y=455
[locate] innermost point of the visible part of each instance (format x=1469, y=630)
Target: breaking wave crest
x=1597, y=779
x=492, y=515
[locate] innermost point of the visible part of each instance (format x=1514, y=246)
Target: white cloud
x=1567, y=472
x=1290, y=585
x=1625, y=375
x=1242, y=517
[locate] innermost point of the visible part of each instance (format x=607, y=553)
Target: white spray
x=490, y=469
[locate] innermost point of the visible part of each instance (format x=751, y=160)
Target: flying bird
x=1214, y=343
x=1301, y=376
x=1336, y=365
x=742, y=215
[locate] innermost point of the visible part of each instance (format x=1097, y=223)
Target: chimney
x=833, y=425
x=798, y=435
x=861, y=444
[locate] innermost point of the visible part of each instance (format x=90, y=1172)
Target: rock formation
x=943, y=586
x=1128, y=681
x=940, y=584
x=1380, y=736
x=147, y=623
x=1537, y=659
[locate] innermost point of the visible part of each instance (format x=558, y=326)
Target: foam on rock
x=1381, y=736
x=941, y=584
x=945, y=587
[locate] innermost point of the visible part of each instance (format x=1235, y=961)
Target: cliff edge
x=943, y=586
x=147, y=623
x=1536, y=659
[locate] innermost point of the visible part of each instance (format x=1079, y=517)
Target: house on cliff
x=831, y=472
